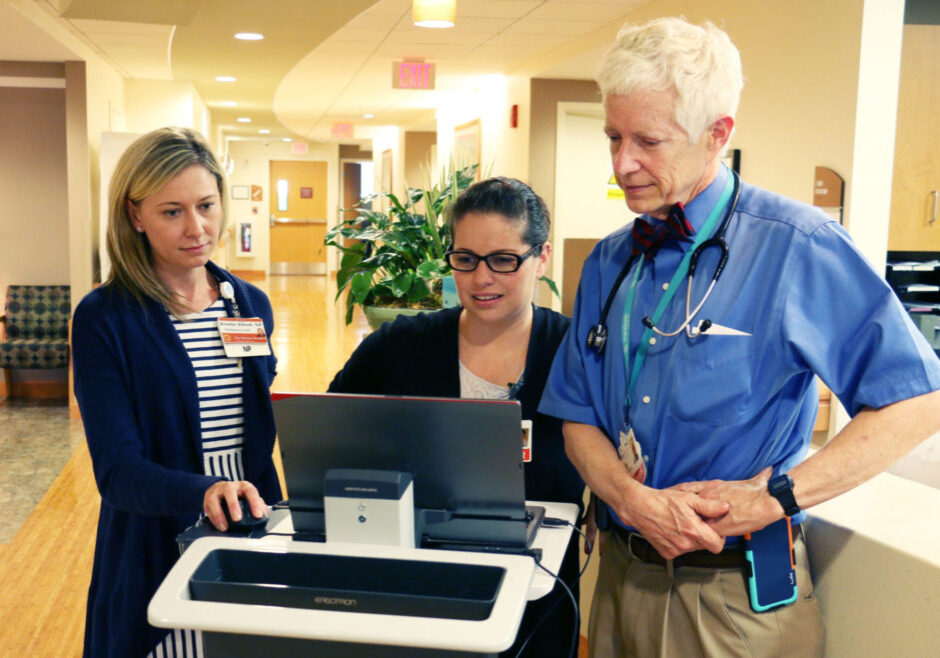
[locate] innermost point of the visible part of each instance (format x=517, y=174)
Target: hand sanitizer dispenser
x=369, y=507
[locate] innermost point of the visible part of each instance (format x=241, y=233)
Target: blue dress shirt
x=727, y=406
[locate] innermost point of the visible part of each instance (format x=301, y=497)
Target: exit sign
x=412, y=75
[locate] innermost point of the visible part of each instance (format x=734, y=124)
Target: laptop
x=464, y=457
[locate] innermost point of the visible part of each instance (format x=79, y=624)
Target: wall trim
x=37, y=390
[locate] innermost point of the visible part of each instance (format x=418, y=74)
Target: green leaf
x=418, y=291
x=402, y=283
x=359, y=286
x=551, y=284
x=432, y=269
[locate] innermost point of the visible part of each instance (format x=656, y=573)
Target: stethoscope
x=597, y=336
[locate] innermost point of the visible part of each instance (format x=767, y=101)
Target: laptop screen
x=464, y=457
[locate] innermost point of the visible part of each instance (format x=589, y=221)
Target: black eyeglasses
x=501, y=262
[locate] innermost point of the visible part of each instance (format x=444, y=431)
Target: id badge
x=526, y=441
x=243, y=337
x=631, y=454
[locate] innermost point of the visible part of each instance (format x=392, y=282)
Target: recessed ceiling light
x=288, y=139
x=243, y=120
x=225, y=78
x=227, y=104
x=368, y=116
x=264, y=131
x=249, y=36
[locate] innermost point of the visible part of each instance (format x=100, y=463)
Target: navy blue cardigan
x=137, y=393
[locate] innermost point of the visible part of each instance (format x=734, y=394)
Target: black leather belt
x=730, y=558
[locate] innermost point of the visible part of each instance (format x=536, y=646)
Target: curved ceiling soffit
x=303, y=96
x=300, y=26
x=306, y=95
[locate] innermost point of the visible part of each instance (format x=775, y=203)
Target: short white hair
x=699, y=63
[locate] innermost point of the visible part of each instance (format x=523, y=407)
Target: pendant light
x=434, y=13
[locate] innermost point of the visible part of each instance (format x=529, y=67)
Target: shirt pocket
x=714, y=380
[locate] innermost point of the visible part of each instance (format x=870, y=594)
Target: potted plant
x=395, y=258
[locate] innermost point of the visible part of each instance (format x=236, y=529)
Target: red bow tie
x=649, y=236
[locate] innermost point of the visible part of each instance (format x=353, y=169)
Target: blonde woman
x=175, y=428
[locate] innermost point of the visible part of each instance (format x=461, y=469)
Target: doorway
x=298, y=216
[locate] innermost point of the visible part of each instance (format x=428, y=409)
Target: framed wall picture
x=240, y=193
x=467, y=141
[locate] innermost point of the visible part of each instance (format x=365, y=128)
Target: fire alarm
x=514, y=117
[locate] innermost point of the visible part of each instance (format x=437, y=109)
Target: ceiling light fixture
x=434, y=13
x=264, y=131
x=227, y=103
x=288, y=139
x=368, y=116
x=243, y=120
x=225, y=78
x=249, y=36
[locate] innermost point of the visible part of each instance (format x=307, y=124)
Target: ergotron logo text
x=329, y=600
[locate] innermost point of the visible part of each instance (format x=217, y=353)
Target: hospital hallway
x=46, y=567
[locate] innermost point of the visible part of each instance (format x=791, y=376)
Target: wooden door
x=915, y=225
x=298, y=216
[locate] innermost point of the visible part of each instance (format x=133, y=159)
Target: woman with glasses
x=497, y=344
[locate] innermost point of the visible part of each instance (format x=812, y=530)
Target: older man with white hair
x=687, y=378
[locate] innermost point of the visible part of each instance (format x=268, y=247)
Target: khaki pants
x=644, y=610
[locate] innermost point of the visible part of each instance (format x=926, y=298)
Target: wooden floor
x=46, y=568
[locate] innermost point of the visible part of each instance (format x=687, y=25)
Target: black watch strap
x=781, y=488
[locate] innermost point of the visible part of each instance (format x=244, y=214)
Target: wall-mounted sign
x=412, y=75
x=298, y=148
x=828, y=192
x=342, y=129
x=256, y=193
x=827, y=188
x=306, y=193
x=613, y=189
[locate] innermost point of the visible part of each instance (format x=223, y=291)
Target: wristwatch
x=781, y=488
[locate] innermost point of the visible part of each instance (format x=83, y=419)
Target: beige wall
x=33, y=185
x=152, y=104
x=419, y=149
x=503, y=149
x=545, y=96
x=390, y=138
x=251, y=160
x=511, y=153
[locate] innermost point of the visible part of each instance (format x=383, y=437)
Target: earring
x=139, y=229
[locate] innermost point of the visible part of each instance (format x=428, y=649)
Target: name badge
x=527, y=441
x=242, y=337
x=631, y=454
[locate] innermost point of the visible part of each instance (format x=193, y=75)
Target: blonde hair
x=146, y=167
x=699, y=62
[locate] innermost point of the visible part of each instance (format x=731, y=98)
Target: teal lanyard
x=680, y=273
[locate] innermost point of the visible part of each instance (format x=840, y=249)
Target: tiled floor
x=37, y=437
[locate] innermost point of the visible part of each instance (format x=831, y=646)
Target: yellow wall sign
x=613, y=190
